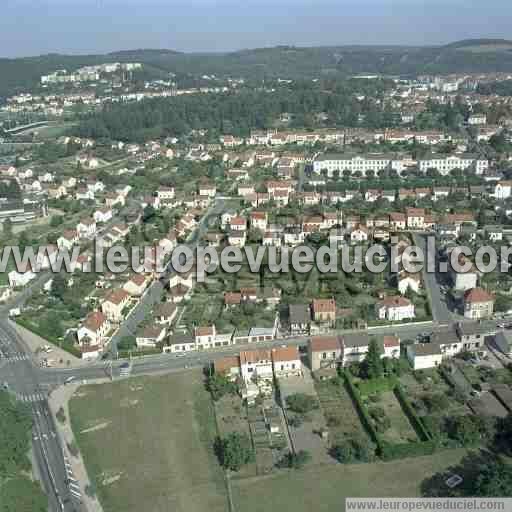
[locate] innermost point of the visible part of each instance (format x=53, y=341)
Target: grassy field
x=324, y=488
x=147, y=444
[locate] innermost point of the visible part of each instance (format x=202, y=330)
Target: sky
x=34, y=27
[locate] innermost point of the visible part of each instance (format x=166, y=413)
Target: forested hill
x=477, y=55
x=239, y=112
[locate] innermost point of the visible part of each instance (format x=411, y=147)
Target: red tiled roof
x=324, y=305
x=391, y=341
x=395, y=301
x=477, y=295
x=285, y=354
x=324, y=343
x=94, y=321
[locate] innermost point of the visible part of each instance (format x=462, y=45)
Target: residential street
x=153, y=294
x=440, y=311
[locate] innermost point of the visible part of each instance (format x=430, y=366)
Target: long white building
x=333, y=162
x=446, y=163
x=362, y=163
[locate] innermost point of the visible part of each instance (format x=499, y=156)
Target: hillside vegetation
x=476, y=55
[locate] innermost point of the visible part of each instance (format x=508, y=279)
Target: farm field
x=324, y=488
x=148, y=444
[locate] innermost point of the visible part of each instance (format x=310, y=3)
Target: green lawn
x=324, y=488
x=147, y=444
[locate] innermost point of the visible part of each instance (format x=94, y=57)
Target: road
x=154, y=364
x=439, y=306
x=18, y=371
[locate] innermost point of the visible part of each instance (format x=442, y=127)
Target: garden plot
x=261, y=440
x=340, y=414
x=231, y=416
x=429, y=393
x=305, y=429
x=400, y=429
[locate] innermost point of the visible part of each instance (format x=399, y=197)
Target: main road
x=18, y=374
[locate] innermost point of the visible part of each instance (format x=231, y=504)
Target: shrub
x=436, y=402
x=73, y=448
x=61, y=416
x=353, y=450
x=301, y=403
x=295, y=460
x=234, y=451
x=296, y=421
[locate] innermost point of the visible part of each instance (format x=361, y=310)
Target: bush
x=296, y=421
x=344, y=452
x=381, y=421
x=219, y=385
x=61, y=416
x=333, y=421
x=301, y=403
x=90, y=491
x=436, y=402
x=353, y=450
x=73, y=448
x=295, y=460
x=234, y=451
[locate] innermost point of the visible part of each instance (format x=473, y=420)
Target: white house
x=256, y=365
x=103, y=215
x=424, y=356
x=136, y=285
x=355, y=347
x=68, y=239
x=503, y=190
x=408, y=281
x=205, y=337
x=95, y=329
x=391, y=345
x=395, y=309
x=359, y=235
x=114, y=304
x=86, y=228
x=151, y=335
x=286, y=361
x=21, y=277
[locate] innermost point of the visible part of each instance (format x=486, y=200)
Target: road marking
x=16, y=358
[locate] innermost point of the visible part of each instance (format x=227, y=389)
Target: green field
x=147, y=444
x=324, y=488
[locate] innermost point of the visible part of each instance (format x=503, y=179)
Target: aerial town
x=287, y=380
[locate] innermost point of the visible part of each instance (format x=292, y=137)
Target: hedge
x=361, y=409
x=378, y=385
x=415, y=420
